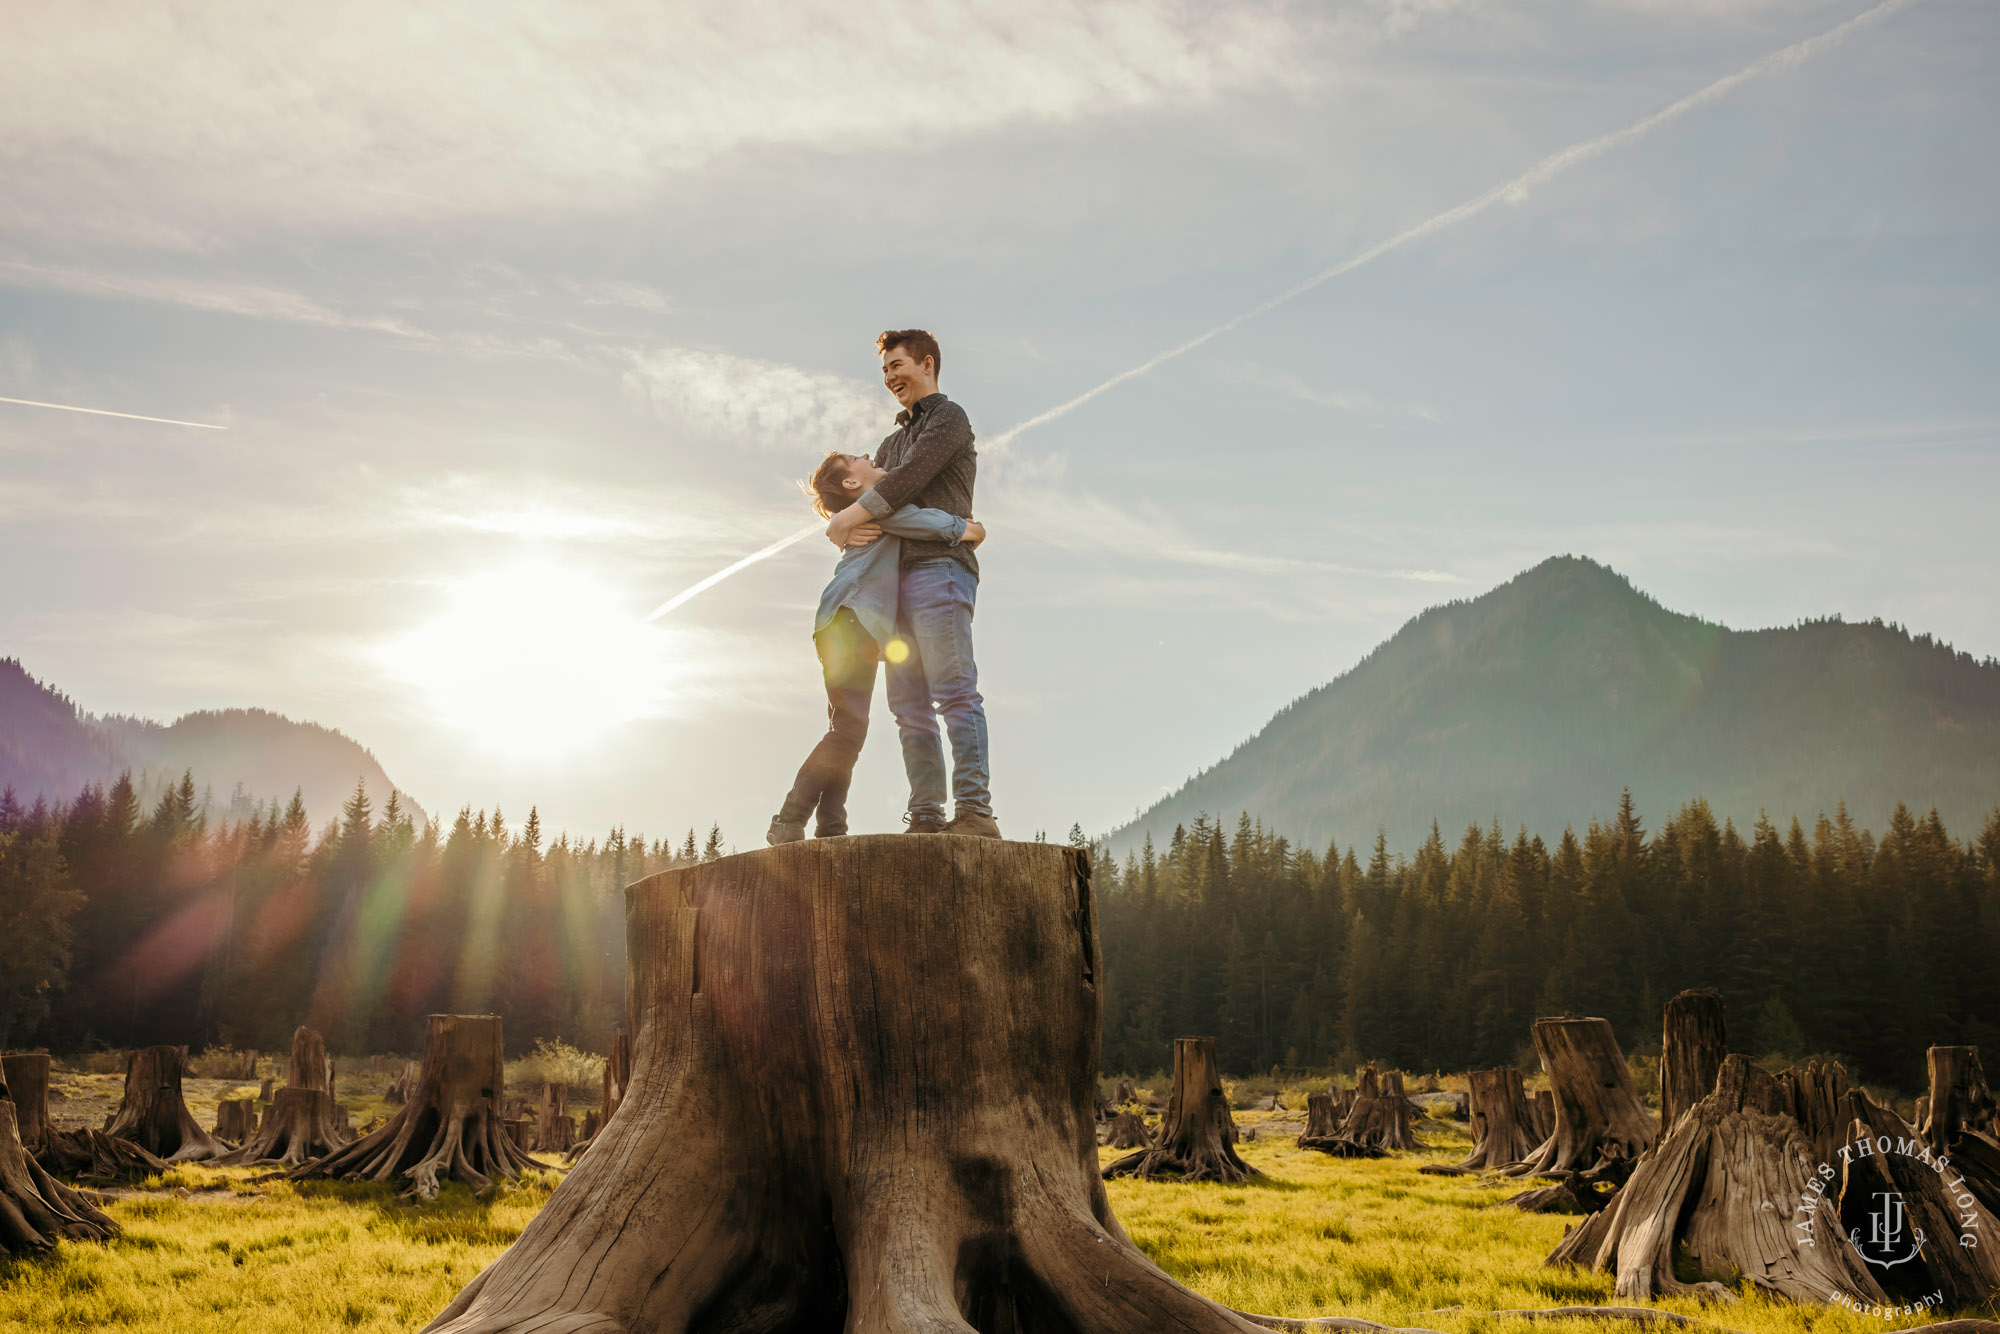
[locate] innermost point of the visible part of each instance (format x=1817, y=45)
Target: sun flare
x=535, y=660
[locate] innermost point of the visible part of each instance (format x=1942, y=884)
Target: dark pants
x=847, y=657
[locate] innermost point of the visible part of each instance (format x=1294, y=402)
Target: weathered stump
x=154, y=1115
x=1502, y=1120
x=27, y=1074
x=451, y=1125
x=1957, y=1118
x=235, y=1119
x=1380, y=1117
x=264, y=1090
x=1197, y=1137
x=1125, y=1093
x=1693, y=1041
x=862, y=1081
x=1323, y=1133
x=1599, y=1118
x=617, y=1073
x=36, y=1210
x=1937, y=1202
x=302, y=1121
x=1544, y=1103
x=1128, y=1131
x=399, y=1088
x=555, y=1128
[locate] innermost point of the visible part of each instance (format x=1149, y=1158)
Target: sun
x=535, y=660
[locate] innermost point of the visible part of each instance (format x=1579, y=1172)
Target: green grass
x=1314, y=1236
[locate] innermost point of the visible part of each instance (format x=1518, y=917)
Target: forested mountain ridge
x=50, y=748
x=1539, y=698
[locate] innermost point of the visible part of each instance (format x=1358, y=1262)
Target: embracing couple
x=902, y=593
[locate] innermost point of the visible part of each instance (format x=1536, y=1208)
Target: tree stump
x=1128, y=1131
x=1545, y=1113
x=36, y=1210
x=302, y=1121
x=862, y=1081
x=235, y=1119
x=1957, y=1119
x=27, y=1074
x=153, y=1114
x=399, y=1088
x=1940, y=1205
x=1380, y=1117
x=555, y=1128
x=617, y=1073
x=1126, y=1093
x=1598, y=1115
x=1323, y=1132
x=1502, y=1120
x=1197, y=1139
x=450, y=1126
x=1693, y=1041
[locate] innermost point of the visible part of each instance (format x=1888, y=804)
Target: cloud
x=765, y=405
x=167, y=126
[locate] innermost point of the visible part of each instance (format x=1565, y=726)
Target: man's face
x=907, y=378
x=861, y=473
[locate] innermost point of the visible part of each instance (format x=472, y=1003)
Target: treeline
x=122, y=925
x=1830, y=942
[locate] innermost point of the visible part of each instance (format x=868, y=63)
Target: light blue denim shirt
x=866, y=577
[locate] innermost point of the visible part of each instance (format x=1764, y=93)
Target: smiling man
x=931, y=463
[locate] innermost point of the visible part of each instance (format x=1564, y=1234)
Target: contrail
x=811, y=530
x=106, y=412
x=1509, y=192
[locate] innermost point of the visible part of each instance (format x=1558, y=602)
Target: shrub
x=554, y=1061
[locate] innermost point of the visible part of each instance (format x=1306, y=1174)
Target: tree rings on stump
x=1197, y=1137
x=451, y=1125
x=153, y=1114
x=863, y=1075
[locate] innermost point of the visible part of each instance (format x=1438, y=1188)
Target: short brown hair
x=917, y=342
x=828, y=495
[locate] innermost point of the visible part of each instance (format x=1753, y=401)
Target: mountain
x=50, y=748
x=1539, y=701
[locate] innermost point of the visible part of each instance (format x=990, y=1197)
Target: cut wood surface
x=1503, y=1130
x=1693, y=1041
x=450, y=1127
x=1197, y=1136
x=863, y=1080
x=1598, y=1112
x=154, y=1115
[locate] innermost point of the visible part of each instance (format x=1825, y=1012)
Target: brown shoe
x=925, y=824
x=973, y=824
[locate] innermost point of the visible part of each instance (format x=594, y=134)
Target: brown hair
x=828, y=495
x=917, y=342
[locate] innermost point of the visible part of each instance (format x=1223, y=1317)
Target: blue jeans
x=937, y=680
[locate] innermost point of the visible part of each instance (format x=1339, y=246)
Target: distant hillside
x=50, y=748
x=1539, y=701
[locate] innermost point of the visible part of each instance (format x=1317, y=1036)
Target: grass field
x=204, y=1251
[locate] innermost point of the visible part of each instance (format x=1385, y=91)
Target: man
x=931, y=463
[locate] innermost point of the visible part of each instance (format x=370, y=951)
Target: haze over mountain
x=1537, y=702
x=50, y=748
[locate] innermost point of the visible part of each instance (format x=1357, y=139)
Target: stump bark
x=154, y=1115
x=1503, y=1130
x=1380, y=1117
x=36, y=1210
x=27, y=1074
x=1197, y=1139
x=1545, y=1114
x=1693, y=1041
x=617, y=1074
x=862, y=1086
x=302, y=1122
x=555, y=1128
x=399, y=1088
x=450, y=1127
x=1599, y=1118
x=1323, y=1132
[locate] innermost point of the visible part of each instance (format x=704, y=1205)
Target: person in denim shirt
x=856, y=620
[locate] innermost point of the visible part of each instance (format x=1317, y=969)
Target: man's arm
x=925, y=525
x=944, y=433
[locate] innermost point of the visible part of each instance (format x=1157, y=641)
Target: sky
x=522, y=318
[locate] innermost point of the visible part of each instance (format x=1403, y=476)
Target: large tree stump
x=1599, y=1118
x=27, y=1074
x=862, y=1085
x=555, y=1128
x=1323, y=1133
x=1957, y=1118
x=1937, y=1205
x=451, y=1125
x=1502, y=1119
x=1693, y=1041
x=302, y=1122
x=36, y=1210
x=154, y=1115
x=236, y=1119
x=1197, y=1137
x=1380, y=1117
